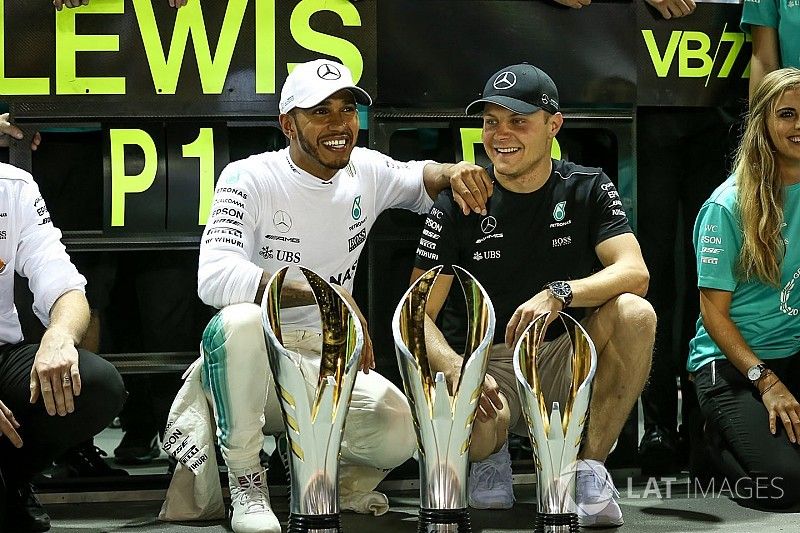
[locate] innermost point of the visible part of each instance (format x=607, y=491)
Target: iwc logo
x=356, y=211
x=282, y=221
x=559, y=211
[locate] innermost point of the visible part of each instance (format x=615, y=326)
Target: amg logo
x=357, y=239
x=562, y=241
x=282, y=238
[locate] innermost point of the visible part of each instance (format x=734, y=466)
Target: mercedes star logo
x=282, y=221
x=505, y=80
x=488, y=224
x=326, y=71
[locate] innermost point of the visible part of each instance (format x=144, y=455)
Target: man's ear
x=288, y=125
x=556, y=121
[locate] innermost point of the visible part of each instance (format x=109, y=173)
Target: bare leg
x=623, y=330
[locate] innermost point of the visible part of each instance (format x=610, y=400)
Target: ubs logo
x=282, y=221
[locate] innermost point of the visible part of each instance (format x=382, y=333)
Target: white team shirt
x=31, y=246
x=268, y=213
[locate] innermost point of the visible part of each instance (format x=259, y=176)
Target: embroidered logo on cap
x=505, y=80
x=326, y=71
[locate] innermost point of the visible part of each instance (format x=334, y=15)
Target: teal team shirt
x=767, y=317
x=783, y=15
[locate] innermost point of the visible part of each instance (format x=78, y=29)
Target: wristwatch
x=756, y=372
x=561, y=291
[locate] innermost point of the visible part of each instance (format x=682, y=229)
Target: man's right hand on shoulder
x=673, y=8
x=61, y=4
x=8, y=131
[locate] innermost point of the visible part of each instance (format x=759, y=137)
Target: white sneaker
x=490, y=484
x=250, y=502
x=372, y=502
x=594, y=495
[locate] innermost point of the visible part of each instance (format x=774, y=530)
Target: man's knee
x=383, y=434
x=102, y=388
x=236, y=331
x=635, y=312
x=630, y=321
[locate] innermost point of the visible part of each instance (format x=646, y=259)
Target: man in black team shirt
x=555, y=237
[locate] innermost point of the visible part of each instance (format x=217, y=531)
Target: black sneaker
x=137, y=450
x=657, y=452
x=24, y=513
x=86, y=460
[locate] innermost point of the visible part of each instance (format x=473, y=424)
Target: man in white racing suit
x=310, y=204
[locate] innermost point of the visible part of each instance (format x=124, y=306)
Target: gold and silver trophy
x=314, y=425
x=556, y=419
x=443, y=422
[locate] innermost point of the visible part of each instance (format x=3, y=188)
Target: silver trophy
x=314, y=428
x=443, y=422
x=555, y=434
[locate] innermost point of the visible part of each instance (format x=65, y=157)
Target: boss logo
x=562, y=241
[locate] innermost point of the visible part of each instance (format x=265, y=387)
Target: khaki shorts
x=555, y=373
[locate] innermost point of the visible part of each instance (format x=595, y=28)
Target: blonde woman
x=745, y=356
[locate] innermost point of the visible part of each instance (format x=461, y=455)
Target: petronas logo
x=356, y=208
x=558, y=212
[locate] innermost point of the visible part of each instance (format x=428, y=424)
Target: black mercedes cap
x=521, y=88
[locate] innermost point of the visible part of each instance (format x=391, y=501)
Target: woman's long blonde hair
x=758, y=179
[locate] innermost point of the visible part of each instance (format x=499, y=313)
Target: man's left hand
x=55, y=376
x=471, y=186
x=542, y=303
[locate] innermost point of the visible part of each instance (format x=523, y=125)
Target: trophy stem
x=556, y=523
x=318, y=523
x=444, y=520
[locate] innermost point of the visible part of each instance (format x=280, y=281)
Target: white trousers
x=379, y=434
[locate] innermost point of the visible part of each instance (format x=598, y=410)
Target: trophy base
x=556, y=523
x=444, y=520
x=315, y=523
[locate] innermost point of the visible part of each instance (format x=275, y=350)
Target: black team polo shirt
x=524, y=241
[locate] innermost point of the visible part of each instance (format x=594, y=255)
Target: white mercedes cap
x=311, y=83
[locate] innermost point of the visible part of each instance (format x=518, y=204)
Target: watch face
x=560, y=289
x=754, y=373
